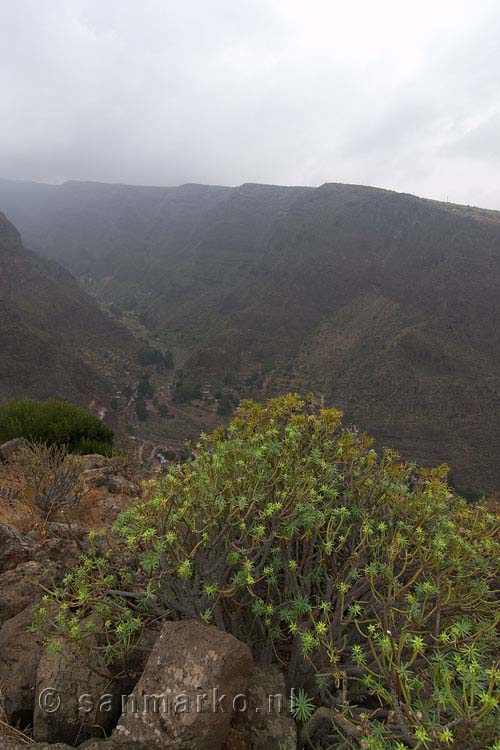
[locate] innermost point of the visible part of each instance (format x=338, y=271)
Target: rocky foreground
x=186, y=685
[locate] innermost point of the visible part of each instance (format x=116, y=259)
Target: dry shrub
x=43, y=481
x=15, y=508
x=11, y=733
x=50, y=477
x=126, y=463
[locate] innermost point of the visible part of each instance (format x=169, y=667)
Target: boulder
x=20, y=587
x=118, y=485
x=94, y=477
x=72, y=532
x=110, y=505
x=188, y=692
x=88, y=701
x=101, y=478
x=20, y=652
x=61, y=549
x=87, y=691
x=267, y=723
x=8, y=450
x=14, y=548
x=92, y=461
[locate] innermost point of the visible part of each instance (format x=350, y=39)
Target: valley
x=385, y=304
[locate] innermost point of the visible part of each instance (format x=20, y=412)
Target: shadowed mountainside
x=54, y=340
x=386, y=303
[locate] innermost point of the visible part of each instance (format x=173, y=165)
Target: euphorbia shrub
x=294, y=535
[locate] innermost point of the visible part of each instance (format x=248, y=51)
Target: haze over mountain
x=387, y=304
x=399, y=95
x=54, y=339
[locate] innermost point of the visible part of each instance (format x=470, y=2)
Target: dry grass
x=15, y=508
x=5, y=729
x=21, y=512
x=90, y=513
x=14, y=734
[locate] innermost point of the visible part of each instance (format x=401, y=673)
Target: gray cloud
x=160, y=92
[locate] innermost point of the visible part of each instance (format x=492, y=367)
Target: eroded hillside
x=386, y=304
x=54, y=339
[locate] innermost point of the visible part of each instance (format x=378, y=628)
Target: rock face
x=19, y=587
x=194, y=674
x=118, y=485
x=89, y=702
x=20, y=652
x=267, y=724
x=92, y=461
x=26, y=565
x=17, y=549
x=102, y=477
x=14, y=548
x=89, y=693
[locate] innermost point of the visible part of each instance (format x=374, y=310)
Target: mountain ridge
x=386, y=303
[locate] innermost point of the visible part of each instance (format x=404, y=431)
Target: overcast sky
x=394, y=93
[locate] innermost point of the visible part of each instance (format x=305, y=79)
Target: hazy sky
x=394, y=93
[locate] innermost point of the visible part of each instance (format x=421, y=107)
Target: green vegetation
x=225, y=406
x=185, y=391
x=254, y=381
x=471, y=494
x=145, y=389
x=55, y=423
x=230, y=378
x=155, y=357
x=141, y=409
x=366, y=577
x=163, y=411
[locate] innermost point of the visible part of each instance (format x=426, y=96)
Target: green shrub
x=368, y=578
x=185, y=391
x=145, y=389
x=157, y=358
x=54, y=423
x=225, y=406
x=141, y=409
x=471, y=494
x=87, y=447
x=230, y=378
x=163, y=411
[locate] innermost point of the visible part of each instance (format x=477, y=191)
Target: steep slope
x=153, y=250
x=387, y=304
x=54, y=340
